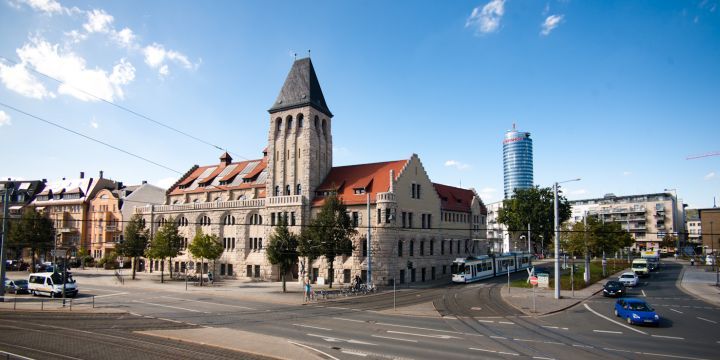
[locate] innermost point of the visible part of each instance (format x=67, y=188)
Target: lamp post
x=557, y=237
x=675, y=226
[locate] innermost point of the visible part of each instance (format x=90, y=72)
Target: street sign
x=58, y=253
x=533, y=280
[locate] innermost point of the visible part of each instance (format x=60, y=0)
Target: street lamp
x=557, y=237
x=675, y=227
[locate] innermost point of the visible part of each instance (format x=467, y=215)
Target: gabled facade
x=22, y=193
x=410, y=219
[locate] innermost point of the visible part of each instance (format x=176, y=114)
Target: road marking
x=446, y=337
x=552, y=343
x=353, y=320
x=583, y=346
x=556, y=327
x=607, y=332
x=679, y=312
x=613, y=321
x=418, y=328
x=312, y=327
x=171, y=307
x=495, y=352
x=498, y=337
x=211, y=303
x=334, y=339
x=525, y=340
x=542, y=358
x=36, y=350
x=643, y=292
x=134, y=314
x=704, y=319
x=506, y=322
x=668, y=337
x=353, y=353
x=476, y=308
x=171, y=320
x=674, y=356
x=191, y=324
x=313, y=349
x=337, y=308
x=106, y=295
x=393, y=338
x=487, y=321
x=15, y=355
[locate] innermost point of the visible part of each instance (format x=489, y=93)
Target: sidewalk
x=545, y=302
x=699, y=281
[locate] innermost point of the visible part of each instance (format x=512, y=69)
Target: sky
x=617, y=93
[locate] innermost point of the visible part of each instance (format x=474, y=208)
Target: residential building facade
x=517, y=161
x=648, y=217
x=693, y=226
x=497, y=233
x=21, y=193
x=710, y=225
x=416, y=227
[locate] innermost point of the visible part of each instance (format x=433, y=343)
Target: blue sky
x=618, y=93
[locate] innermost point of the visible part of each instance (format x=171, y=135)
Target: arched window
x=287, y=190
x=324, y=128
x=259, y=219
x=298, y=190
x=142, y=222
x=278, y=124
x=317, y=125
x=205, y=220
x=300, y=118
x=288, y=120
x=277, y=190
x=229, y=220
x=182, y=221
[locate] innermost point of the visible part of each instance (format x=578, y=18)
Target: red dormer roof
x=213, y=171
x=194, y=175
x=257, y=170
x=374, y=178
x=454, y=198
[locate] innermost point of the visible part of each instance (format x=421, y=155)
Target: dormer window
x=359, y=191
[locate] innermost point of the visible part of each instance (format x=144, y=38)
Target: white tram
x=465, y=270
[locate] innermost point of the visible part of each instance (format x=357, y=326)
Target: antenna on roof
x=308, y=52
x=513, y=126
x=294, y=56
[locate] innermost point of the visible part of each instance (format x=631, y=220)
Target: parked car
x=614, y=288
x=636, y=311
x=629, y=279
x=16, y=286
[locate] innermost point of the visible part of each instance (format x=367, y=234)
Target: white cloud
x=48, y=7
x=165, y=183
x=487, y=193
x=69, y=68
x=487, y=19
x=18, y=79
x=4, y=119
x=157, y=57
x=627, y=173
x=98, y=22
x=125, y=37
x=551, y=22
x=94, y=124
x=577, y=192
x=456, y=164
x=710, y=175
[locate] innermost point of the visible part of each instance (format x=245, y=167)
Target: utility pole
x=369, y=262
x=557, y=242
x=529, y=250
x=586, y=275
x=3, y=240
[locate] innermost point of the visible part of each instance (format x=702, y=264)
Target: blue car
x=636, y=311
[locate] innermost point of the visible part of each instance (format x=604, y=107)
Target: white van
x=51, y=284
x=640, y=267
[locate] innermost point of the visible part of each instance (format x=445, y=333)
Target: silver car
x=628, y=279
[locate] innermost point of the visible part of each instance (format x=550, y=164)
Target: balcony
x=288, y=200
x=235, y=204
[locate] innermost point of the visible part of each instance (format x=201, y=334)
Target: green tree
x=34, y=231
x=282, y=250
x=205, y=246
x=135, y=241
x=534, y=206
x=329, y=234
x=669, y=241
x=165, y=244
x=83, y=254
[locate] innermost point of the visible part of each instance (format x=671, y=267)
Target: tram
x=474, y=268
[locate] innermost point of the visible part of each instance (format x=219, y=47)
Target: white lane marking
x=171, y=320
x=334, y=339
x=498, y=337
x=506, y=322
x=495, y=352
x=673, y=356
x=525, y=340
x=210, y=303
x=542, y=358
x=643, y=292
x=555, y=327
x=191, y=324
x=613, y=321
x=418, y=328
x=679, y=312
x=313, y=349
x=487, y=321
x=583, y=346
x=171, y=307
x=353, y=353
x=313, y=327
x=353, y=320
x=40, y=351
x=15, y=355
x=668, y=337
x=552, y=343
x=704, y=319
x=106, y=295
x=607, y=332
x=134, y=314
x=337, y=308
x=393, y=338
x=446, y=337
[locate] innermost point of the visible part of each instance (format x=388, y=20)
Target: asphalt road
x=476, y=323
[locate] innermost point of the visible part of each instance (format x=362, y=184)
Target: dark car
x=614, y=289
x=16, y=286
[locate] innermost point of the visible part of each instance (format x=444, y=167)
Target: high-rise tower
x=517, y=161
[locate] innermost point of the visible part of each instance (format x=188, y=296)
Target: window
x=429, y=221
x=260, y=244
x=298, y=190
x=355, y=219
x=402, y=276
x=300, y=118
x=272, y=219
x=278, y=124
x=292, y=218
x=422, y=248
x=412, y=248
x=404, y=219
x=205, y=221
x=412, y=192
x=229, y=220
x=287, y=189
x=364, y=247
x=277, y=190
x=182, y=221
x=432, y=247
x=410, y=220
x=400, y=248
x=229, y=270
x=442, y=247
x=379, y=215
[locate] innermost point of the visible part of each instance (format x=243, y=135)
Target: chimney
x=82, y=174
x=119, y=185
x=144, y=182
x=44, y=181
x=392, y=178
x=101, y=174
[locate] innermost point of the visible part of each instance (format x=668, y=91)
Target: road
x=475, y=322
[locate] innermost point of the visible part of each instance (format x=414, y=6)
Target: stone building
x=410, y=219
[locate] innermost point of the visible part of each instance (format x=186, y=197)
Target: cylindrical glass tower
x=517, y=161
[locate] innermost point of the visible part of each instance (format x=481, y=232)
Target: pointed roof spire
x=225, y=158
x=301, y=88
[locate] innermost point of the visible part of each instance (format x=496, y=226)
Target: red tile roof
x=215, y=171
x=456, y=199
x=374, y=177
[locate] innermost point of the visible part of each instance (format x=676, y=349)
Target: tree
x=32, y=230
x=669, y=241
x=83, y=253
x=205, y=246
x=165, y=244
x=534, y=206
x=135, y=241
x=282, y=250
x=329, y=234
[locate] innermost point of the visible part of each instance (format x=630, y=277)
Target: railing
x=234, y=204
x=285, y=200
x=386, y=196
